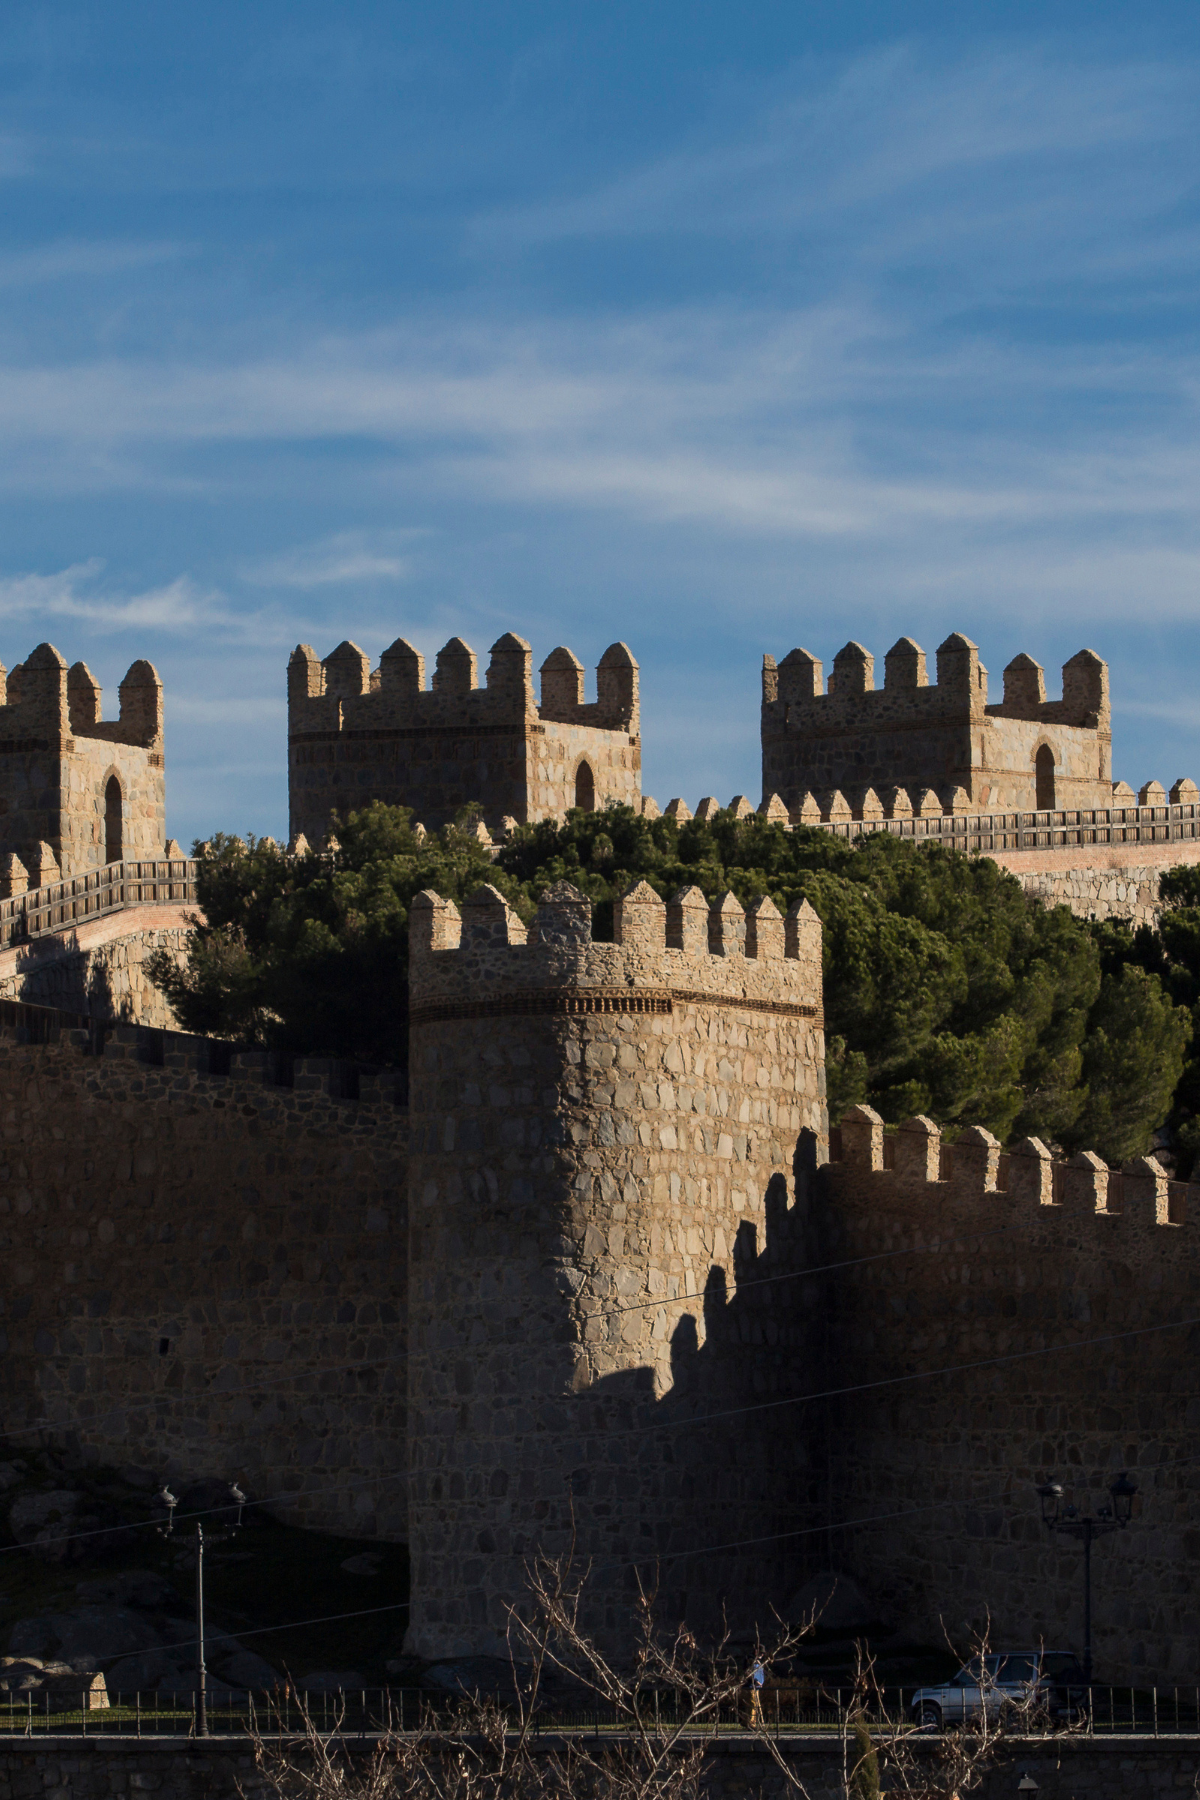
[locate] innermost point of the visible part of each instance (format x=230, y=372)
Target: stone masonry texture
x=655, y=1305
x=355, y=736
x=658, y=1308
x=1084, y=1282
x=99, y=969
x=205, y=1272
x=599, y=1133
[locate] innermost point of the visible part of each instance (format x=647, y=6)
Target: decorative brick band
x=394, y=733
x=785, y=1009
x=576, y=1001
x=546, y=1000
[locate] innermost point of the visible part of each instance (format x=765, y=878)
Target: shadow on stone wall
x=107, y=982
x=730, y=1464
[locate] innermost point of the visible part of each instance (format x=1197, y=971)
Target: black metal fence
x=786, y=1710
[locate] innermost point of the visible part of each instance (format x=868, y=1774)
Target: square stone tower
x=357, y=735
x=1024, y=753
x=77, y=791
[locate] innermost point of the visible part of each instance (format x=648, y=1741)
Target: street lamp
x=170, y=1501
x=1086, y=1526
x=1027, y=1786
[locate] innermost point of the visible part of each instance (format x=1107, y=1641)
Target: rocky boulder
x=57, y=1681
x=102, y=1633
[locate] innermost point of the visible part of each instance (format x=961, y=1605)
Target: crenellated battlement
x=41, y=698
x=357, y=734
x=482, y=961
x=1023, y=752
x=937, y=1177
x=341, y=692
x=77, y=792
x=960, y=687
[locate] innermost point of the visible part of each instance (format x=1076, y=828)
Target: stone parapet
x=684, y=951
x=64, y=906
x=737, y=1765
x=1102, y=862
x=963, y=1168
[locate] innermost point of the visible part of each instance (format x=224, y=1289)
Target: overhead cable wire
x=701, y=1419
x=166, y=1398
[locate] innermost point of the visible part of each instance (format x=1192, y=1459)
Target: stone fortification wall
x=1024, y=752
x=205, y=1271
x=1121, y=883
x=99, y=969
x=89, y=791
x=599, y=1132
x=965, y=1258
x=355, y=735
x=737, y=1766
x=1103, y=862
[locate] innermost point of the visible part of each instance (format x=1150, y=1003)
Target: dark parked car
x=1050, y=1680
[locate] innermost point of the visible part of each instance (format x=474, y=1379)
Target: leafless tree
x=659, y=1707
x=661, y=1701
x=951, y=1763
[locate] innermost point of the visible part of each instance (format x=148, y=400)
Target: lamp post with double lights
x=170, y=1501
x=1087, y=1526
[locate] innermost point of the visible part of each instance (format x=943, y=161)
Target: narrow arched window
x=1044, y=772
x=113, y=832
x=585, y=788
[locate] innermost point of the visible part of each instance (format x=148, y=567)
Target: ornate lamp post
x=1086, y=1526
x=170, y=1501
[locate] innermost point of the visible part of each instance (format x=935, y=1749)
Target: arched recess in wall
x=1043, y=768
x=114, y=832
x=585, y=787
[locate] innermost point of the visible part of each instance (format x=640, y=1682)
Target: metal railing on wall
x=60, y=905
x=1073, y=828
x=804, y=1707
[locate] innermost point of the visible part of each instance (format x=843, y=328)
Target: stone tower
x=78, y=791
x=357, y=735
x=602, y=1134
x=1024, y=753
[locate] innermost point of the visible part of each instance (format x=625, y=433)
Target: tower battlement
x=77, y=791
x=1024, y=752
x=356, y=735
x=483, y=958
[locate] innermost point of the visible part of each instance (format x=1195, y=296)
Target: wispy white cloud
x=847, y=420
x=895, y=147
x=1171, y=712
x=74, y=259
x=179, y=606
x=345, y=557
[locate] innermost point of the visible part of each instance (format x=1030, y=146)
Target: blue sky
x=720, y=329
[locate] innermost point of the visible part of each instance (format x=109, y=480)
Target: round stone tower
x=603, y=1137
